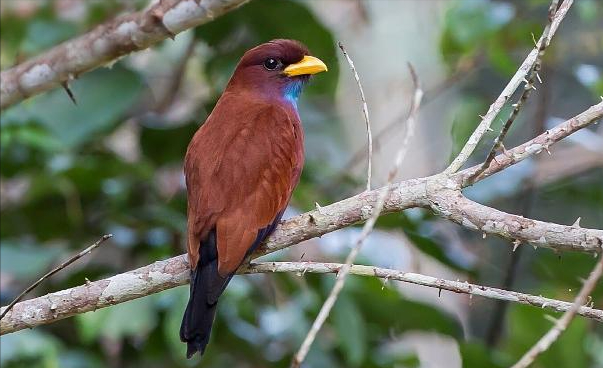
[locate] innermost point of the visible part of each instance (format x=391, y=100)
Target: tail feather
x=206, y=285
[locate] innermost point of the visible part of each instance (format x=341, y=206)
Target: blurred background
x=113, y=164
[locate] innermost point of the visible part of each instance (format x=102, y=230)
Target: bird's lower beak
x=307, y=65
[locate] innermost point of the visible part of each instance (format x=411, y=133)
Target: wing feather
x=241, y=168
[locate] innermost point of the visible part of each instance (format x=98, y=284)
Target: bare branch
x=74, y=258
x=343, y=272
x=106, y=43
x=527, y=90
x=439, y=192
x=369, y=134
x=462, y=287
x=533, y=146
x=550, y=337
x=514, y=83
x=173, y=272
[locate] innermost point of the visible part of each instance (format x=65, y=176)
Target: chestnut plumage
x=241, y=167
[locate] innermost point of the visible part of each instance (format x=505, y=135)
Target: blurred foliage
x=112, y=164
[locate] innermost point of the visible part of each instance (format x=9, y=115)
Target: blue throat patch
x=292, y=90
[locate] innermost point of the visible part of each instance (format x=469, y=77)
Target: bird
x=241, y=167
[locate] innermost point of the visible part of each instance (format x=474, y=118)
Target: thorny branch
x=527, y=90
x=516, y=80
x=105, y=44
x=173, y=272
x=439, y=192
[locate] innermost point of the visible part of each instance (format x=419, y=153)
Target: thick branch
x=174, y=272
x=439, y=192
x=105, y=44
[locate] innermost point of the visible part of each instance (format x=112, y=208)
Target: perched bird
x=241, y=167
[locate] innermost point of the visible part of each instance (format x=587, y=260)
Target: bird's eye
x=271, y=63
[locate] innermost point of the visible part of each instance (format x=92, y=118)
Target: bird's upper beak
x=307, y=65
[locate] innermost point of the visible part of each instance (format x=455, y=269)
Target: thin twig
x=383, y=136
x=366, y=230
x=369, y=134
x=553, y=334
x=461, y=287
x=510, y=88
x=527, y=90
x=53, y=271
x=533, y=146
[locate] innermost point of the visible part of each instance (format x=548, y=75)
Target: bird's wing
x=241, y=170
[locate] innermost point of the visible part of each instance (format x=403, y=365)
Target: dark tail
x=206, y=286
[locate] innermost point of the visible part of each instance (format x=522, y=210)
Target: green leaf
x=26, y=261
x=476, y=354
x=134, y=318
x=567, y=351
x=103, y=96
x=38, y=348
x=351, y=330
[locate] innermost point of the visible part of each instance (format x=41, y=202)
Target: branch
x=72, y=259
x=533, y=146
x=527, y=90
x=550, y=337
x=461, y=287
x=369, y=134
x=174, y=272
x=343, y=271
x=438, y=192
x=518, y=78
x=105, y=44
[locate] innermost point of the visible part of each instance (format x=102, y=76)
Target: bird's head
x=276, y=69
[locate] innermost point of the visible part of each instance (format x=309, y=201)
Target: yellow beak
x=307, y=65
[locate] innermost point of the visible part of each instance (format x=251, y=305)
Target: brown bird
x=241, y=167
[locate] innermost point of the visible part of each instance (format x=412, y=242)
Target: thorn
x=533, y=87
x=515, y=105
x=87, y=281
x=483, y=235
x=577, y=222
x=516, y=244
x=318, y=208
x=385, y=280
x=489, y=129
x=546, y=148
x=69, y=93
x=302, y=256
x=439, y=292
x=538, y=77
x=481, y=116
x=534, y=40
